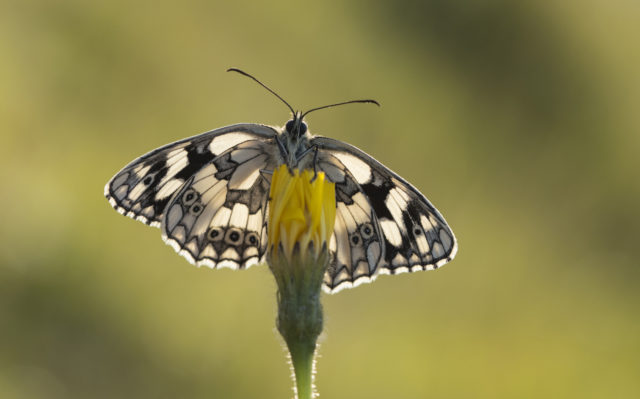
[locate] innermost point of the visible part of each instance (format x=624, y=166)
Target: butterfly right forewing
x=413, y=234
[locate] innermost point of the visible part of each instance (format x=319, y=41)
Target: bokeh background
x=518, y=119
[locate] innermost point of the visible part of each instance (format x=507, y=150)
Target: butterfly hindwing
x=142, y=189
x=357, y=242
x=415, y=235
x=218, y=217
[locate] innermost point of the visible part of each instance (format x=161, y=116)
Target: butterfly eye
x=233, y=236
x=366, y=230
x=251, y=239
x=215, y=234
x=195, y=209
x=189, y=197
x=289, y=126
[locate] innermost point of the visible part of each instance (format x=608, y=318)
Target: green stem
x=302, y=358
x=300, y=318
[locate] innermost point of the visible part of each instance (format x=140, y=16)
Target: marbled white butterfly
x=209, y=195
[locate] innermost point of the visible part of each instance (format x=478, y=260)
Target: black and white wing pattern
x=206, y=194
x=210, y=200
x=384, y=225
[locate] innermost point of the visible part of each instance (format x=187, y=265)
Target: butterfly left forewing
x=143, y=188
x=415, y=235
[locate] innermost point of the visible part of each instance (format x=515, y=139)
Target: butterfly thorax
x=295, y=141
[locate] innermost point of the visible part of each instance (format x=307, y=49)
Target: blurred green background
x=518, y=119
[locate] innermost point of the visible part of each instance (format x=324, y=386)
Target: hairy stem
x=300, y=318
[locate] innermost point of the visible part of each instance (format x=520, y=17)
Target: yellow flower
x=302, y=211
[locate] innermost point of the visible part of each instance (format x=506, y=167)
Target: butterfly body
x=294, y=143
x=209, y=196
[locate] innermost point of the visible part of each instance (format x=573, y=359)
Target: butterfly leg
x=315, y=163
x=313, y=148
x=304, y=153
x=281, y=147
x=284, y=153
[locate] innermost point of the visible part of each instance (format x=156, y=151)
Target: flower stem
x=300, y=318
x=302, y=359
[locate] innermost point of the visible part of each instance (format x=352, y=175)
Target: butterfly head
x=296, y=127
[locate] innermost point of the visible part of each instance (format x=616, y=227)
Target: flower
x=302, y=211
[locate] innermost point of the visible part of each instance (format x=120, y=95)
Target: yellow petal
x=302, y=210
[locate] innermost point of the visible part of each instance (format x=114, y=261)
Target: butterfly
x=209, y=196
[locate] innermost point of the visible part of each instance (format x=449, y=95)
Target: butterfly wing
x=357, y=242
x=408, y=233
x=215, y=169
x=142, y=189
x=218, y=217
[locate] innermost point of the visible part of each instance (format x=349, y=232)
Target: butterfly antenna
x=241, y=72
x=342, y=103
